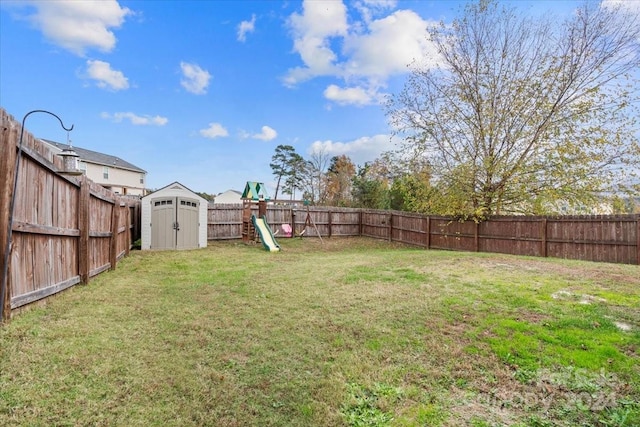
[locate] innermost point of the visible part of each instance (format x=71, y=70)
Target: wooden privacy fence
x=224, y=221
x=64, y=229
x=605, y=238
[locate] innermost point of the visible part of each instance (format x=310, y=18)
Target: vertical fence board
x=84, y=227
x=113, y=240
x=638, y=240
x=9, y=130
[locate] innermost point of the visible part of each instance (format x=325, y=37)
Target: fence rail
x=64, y=230
x=604, y=238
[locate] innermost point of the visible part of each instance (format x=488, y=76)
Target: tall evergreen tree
x=281, y=164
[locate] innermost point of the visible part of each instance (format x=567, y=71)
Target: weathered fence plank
x=9, y=130
x=83, y=225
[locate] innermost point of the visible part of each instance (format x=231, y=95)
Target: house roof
x=232, y=191
x=96, y=157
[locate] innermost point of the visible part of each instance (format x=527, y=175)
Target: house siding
x=120, y=181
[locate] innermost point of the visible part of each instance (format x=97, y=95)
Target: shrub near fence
x=608, y=238
x=65, y=229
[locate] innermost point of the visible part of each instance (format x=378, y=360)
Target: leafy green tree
x=339, y=178
x=208, y=197
x=369, y=190
x=413, y=193
x=521, y=113
x=407, y=175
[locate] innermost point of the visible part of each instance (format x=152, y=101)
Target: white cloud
x=79, y=25
x=312, y=30
x=389, y=46
x=105, y=76
x=267, y=134
x=360, y=151
x=214, y=130
x=135, y=119
x=352, y=95
x=369, y=8
x=246, y=27
x=195, y=79
x=370, y=51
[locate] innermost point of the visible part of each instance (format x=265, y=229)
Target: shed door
x=187, y=233
x=163, y=218
x=174, y=223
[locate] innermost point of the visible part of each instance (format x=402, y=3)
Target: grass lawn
x=352, y=332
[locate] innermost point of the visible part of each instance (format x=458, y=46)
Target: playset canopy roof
x=255, y=191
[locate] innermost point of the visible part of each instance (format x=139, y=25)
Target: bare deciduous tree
x=318, y=163
x=521, y=112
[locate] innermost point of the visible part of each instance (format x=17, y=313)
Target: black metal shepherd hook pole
x=8, y=243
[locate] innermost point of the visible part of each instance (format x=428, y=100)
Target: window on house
x=141, y=178
x=105, y=172
x=82, y=166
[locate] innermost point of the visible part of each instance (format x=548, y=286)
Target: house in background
x=229, y=196
x=111, y=172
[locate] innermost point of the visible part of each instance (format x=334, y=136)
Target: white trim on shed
x=167, y=230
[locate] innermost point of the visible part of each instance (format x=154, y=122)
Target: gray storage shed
x=174, y=217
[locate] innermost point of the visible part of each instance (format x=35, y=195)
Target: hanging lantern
x=70, y=162
x=70, y=159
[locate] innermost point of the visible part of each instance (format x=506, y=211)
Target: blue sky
x=202, y=92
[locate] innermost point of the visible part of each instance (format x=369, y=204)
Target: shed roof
x=174, y=186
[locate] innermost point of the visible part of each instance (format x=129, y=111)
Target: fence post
x=128, y=241
x=638, y=239
x=83, y=226
x=134, y=226
x=428, y=232
x=293, y=223
x=8, y=156
x=390, y=227
x=330, y=224
x=113, y=243
x=360, y=222
x=476, y=239
x=543, y=235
